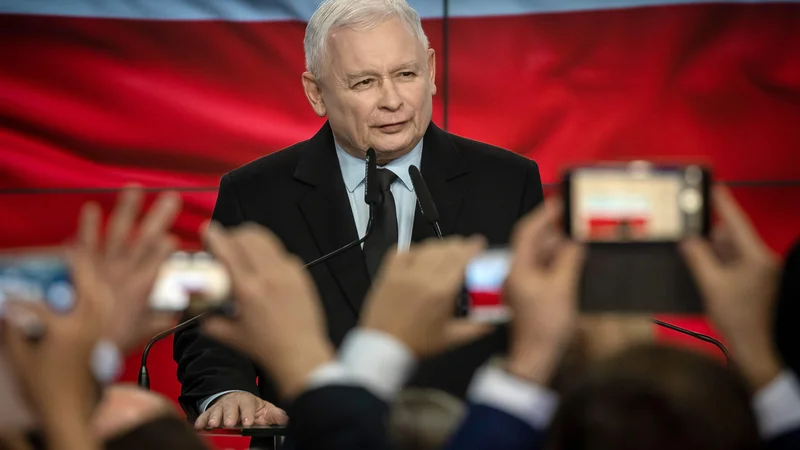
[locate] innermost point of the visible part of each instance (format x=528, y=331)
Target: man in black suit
x=370, y=71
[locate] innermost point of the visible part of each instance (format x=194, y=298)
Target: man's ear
x=432, y=69
x=314, y=93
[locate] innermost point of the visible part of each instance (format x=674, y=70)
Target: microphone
x=371, y=197
x=696, y=335
x=428, y=209
x=425, y=201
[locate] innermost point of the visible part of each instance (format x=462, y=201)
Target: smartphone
x=636, y=202
x=631, y=216
x=483, y=283
x=192, y=283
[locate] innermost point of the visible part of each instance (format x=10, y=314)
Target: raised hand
x=415, y=293
x=129, y=258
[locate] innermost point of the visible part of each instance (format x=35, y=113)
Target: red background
x=87, y=105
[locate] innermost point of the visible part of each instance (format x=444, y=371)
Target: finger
x=702, y=262
x=220, y=328
x=738, y=224
x=393, y=257
x=202, y=420
x=529, y=229
x=122, y=219
x=260, y=246
x=145, y=273
x=432, y=254
x=230, y=414
x=87, y=283
x=215, y=416
x=156, y=224
x=568, y=263
x=452, y=264
x=275, y=416
x=462, y=331
x=723, y=245
x=221, y=245
x=247, y=412
x=89, y=226
x=154, y=323
x=547, y=248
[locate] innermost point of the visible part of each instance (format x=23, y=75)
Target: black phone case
x=637, y=278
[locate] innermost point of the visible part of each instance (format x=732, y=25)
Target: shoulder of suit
x=276, y=165
x=483, y=153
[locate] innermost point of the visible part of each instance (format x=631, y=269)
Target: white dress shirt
x=405, y=200
x=353, y=174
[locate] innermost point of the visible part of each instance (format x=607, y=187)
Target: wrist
x=70, y=432
x=757, y=359
x=65, y=413
x=533, y=364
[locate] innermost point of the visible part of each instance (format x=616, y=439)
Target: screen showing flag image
x=619, y=204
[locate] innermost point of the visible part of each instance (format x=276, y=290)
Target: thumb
x=273, y=416
x=222, y=329
x=702, y=262
x=461, y=331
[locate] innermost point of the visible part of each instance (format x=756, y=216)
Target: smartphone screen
x=192, y=282
x=636, y=202
x=484, y=279
x=40, y=276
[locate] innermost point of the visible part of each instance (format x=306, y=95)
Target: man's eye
x=364, y=83
x=407, y=74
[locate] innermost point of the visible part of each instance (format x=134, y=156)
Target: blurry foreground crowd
x=566, y=382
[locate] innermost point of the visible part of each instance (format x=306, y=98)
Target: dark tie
x=384, y=233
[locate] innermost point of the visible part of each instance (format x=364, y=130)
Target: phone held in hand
x=190, y=282
x=630, y=216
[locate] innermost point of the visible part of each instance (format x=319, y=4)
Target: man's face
x=377, y=88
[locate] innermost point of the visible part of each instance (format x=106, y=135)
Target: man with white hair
x=371, y=73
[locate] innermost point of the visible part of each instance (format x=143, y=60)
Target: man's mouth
x=392, y=127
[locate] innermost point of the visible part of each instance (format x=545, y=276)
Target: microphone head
x=371, y=193
x=426, y=204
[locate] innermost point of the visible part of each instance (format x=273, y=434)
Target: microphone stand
x=696, y=335
x=144, y=378
x=348, y=246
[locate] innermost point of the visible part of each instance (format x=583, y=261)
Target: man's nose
x=390, y=98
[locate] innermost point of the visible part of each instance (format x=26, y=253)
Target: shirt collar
x=353, y=168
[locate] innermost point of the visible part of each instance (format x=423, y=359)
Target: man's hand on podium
x=241, y=408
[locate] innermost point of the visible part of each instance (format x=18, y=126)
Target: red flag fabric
x=174, y=94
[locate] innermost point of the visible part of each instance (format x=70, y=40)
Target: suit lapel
x=443, y=170
x=327, y=213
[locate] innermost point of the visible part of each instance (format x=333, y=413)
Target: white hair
x=355, y=14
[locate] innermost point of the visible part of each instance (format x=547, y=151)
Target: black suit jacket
x=787, y=311
x=300, y=195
